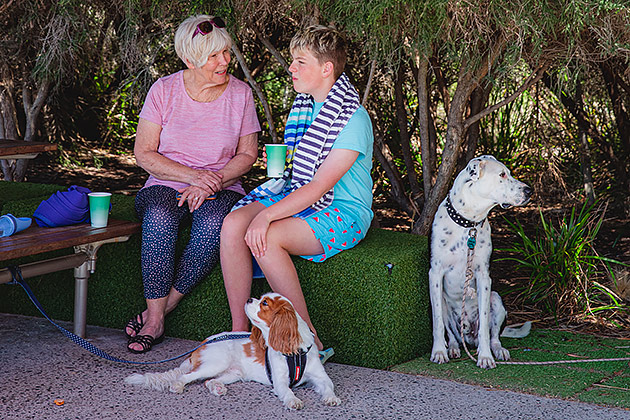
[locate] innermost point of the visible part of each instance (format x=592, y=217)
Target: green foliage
x=505, y=133
x=567, y=276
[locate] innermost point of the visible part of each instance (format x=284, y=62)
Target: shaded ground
x=44, y=366
x=101, y=170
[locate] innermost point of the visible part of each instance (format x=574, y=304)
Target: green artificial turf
x=11, y=191
x=370, y=303
x=605, y=383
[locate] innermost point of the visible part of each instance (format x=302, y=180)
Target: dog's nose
x=527, y=191
x=250, y=300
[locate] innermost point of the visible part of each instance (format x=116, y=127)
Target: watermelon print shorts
x=335, y=231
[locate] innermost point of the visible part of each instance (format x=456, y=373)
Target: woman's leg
x=202, y=251
x=286, y=237
x=157, y=208
x=236, y=262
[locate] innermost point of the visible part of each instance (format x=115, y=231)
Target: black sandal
x=146, y=341
x=134, y=325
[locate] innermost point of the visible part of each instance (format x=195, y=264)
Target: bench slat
x=12, y=147
x=37, y=240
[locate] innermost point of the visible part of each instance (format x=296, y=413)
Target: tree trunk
x=585, y=125
x=616, y=99
x=259, y=92
x=452, y=147
x=368, y=85
x=271, y=49
x=423, y=125
x=478, y=100
x=585, y=152
x=397, y=192
x=587, y=174
x=32, y=110
x=401, y=116
x=8, y=129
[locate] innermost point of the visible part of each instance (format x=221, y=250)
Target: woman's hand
x=194, y=196
x=207, y=180
x=256, y=234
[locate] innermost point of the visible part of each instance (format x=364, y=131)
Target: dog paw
x=177, y=387
x=501, y=353
x=439, y=357
x=294, y=403
x=332, y=401
x=454, y=352
x=486, y=362
x=217, y=388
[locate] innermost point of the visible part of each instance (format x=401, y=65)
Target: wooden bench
x=14, y=149
x=85, y=240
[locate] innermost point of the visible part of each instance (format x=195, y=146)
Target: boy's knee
x=233, y=227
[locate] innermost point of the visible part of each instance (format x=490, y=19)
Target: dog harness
x=296, y=363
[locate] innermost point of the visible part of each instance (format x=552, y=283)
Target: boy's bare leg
x=286, y=237
x=236, y=262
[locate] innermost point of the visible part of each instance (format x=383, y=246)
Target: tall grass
x=568, y=278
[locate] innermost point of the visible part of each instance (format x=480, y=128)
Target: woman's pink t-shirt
x=200, y=135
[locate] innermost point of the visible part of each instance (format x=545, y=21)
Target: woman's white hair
x=197, y=50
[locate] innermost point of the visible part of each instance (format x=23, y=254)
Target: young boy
x=323, y=204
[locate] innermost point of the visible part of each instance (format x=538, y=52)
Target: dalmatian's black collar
x=458, y=218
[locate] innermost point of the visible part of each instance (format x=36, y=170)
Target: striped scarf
x=308, y=145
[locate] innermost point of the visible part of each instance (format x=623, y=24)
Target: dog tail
x=517, y=332
x=159, y=381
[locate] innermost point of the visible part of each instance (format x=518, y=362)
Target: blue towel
x=64, y=208
x=309, y=144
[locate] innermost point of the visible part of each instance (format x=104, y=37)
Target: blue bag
x=64, y=208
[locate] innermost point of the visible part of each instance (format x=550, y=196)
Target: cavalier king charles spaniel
x=280, y=351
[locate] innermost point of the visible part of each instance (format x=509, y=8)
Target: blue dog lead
x=16, y=273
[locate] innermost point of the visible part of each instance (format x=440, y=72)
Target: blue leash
x=16, y=274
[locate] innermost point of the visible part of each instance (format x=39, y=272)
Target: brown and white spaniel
x=280, y=351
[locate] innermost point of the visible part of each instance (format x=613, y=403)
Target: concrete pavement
x=38, y=365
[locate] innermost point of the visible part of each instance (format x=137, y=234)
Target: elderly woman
x=197, y=135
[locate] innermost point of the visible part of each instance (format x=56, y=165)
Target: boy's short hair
x=197, y=49
x=325, y=43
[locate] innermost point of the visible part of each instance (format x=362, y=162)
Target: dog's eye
x=264, y=303
x=503, y=175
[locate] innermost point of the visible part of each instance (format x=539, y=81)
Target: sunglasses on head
x=205, y=27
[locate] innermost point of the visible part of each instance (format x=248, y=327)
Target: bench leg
x=81, y=276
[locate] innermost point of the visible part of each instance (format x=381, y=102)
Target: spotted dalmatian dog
x=483, y=184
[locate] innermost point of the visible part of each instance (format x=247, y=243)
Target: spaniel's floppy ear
x=283, y=331
x=257, y=338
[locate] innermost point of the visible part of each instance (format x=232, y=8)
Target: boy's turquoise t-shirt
x=353, y=192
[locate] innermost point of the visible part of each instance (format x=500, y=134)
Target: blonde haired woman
x=197, y=135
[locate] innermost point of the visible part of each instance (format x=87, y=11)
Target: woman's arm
x=241, y=163
x=334, y=167
x=148, y=158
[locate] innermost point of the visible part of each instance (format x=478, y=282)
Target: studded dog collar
x=458, y=218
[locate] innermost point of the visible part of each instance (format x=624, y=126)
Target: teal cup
x=99, y=208
x=276, y=157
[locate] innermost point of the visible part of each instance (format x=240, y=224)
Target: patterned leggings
x=157, y=208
